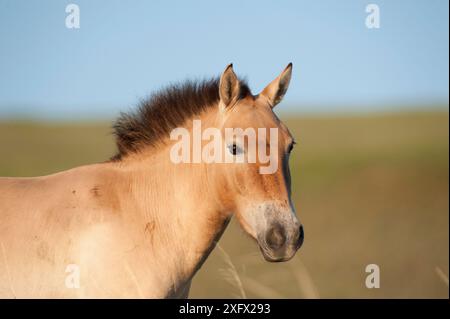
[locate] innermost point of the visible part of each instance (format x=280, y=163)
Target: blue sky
x=126, y=49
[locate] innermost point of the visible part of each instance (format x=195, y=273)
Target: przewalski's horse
x=141, y=225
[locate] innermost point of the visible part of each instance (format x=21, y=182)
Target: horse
x=140, y=225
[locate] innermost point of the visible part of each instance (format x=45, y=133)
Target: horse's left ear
x=229, y=86
x=276, y=90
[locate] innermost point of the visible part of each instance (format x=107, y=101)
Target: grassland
x=369, y=189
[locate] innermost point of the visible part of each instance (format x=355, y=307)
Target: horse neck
x=177, y=205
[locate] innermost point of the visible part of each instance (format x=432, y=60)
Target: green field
x=368, y=189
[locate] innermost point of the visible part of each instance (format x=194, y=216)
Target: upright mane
x=168, y=108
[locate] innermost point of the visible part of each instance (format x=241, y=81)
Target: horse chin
x=270, y=257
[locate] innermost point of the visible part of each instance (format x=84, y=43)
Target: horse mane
x=166, y=109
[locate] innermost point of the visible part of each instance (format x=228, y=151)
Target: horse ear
x=229, y=86
x=276, y=90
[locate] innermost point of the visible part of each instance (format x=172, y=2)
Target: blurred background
x=369, y=107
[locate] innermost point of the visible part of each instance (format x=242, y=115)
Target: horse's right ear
x=276, y=90
x=229, y=87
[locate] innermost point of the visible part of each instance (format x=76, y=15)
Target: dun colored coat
x=140, y=225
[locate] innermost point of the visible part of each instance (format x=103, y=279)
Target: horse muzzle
x=280, y=243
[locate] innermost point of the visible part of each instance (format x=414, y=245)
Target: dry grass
x=442, y=275
x=230, y=273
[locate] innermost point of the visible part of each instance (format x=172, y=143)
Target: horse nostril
x=275, y=238
x=301, y=236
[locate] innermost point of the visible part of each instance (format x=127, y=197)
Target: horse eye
x=234, y=149
x=291, y=147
